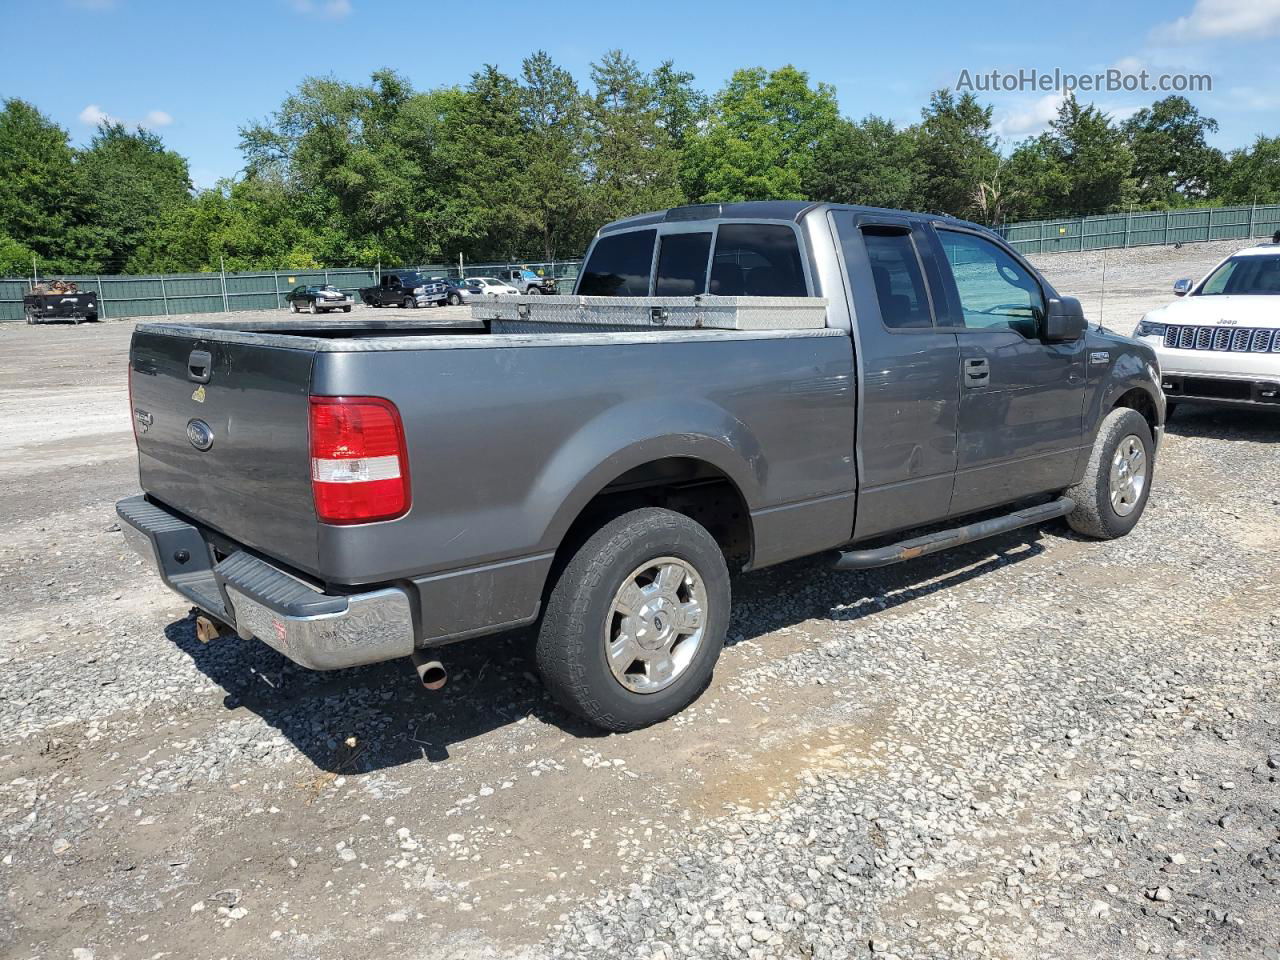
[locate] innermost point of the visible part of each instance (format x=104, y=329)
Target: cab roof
x=794, y=210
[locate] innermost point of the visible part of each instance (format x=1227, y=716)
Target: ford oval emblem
x=200, y=434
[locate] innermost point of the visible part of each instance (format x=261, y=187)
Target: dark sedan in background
x=317, y=299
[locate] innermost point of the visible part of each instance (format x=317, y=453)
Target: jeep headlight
x=1146, y=328
x=419, y=289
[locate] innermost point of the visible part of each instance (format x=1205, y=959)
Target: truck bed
x=508, y=436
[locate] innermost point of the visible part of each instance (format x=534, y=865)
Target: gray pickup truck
x=350, y=492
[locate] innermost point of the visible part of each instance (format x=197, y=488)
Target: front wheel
x=408, y=303
x=346, y=309
x=312, y=308
x=1113, y=494
x=636, y=620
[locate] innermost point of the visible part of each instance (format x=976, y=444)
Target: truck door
x=390, y=292
x=908, y=368
x=1021, y=399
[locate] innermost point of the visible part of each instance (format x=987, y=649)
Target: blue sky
x=196, y=71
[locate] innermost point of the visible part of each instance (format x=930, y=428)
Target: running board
x=946, y=539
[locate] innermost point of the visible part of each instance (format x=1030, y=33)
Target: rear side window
x=682, y=264
x=900, y=289
x=757, y=260
x=619, y=266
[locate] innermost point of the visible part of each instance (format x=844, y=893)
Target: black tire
x=312, y=308
x=30, y=315
x=293, y=306
x=408, y=303
x=571, y=646
x=1094, y=514
x=532, y=290
x=455, y=300
x=346, y=309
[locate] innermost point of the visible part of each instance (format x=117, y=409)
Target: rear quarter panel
x=508, y=443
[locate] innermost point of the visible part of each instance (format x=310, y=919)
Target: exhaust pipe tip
x=431, y=673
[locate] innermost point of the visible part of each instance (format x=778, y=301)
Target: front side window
x=682, y=264
x=900, y=289
x=619, y=266
x=996, y=292
x=757, y=260
x=1244, y=276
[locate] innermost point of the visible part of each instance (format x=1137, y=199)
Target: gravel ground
x=1037, y=746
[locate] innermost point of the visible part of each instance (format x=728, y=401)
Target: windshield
x=1244, y=276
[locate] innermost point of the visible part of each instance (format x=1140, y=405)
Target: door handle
x=977, y=372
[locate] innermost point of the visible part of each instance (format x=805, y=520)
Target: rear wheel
x=1113, y=494
x=636, y=620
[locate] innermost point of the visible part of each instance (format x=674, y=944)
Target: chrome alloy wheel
x=655, y=624
x=1128, y=475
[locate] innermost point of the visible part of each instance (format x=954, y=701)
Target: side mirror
x=1065, y=321
x=1182, y=287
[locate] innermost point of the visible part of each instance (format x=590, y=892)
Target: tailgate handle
x=199, y=366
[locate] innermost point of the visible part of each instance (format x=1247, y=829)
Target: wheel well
x=1138, y=399
x=692, y=487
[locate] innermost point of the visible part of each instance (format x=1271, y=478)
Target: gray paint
x=510, y=436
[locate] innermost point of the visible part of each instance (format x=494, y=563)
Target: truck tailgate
x=253, y=481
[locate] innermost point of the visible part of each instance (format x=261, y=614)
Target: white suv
x=1220, y=343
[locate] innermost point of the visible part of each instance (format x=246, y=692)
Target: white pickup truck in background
x=1220, y=343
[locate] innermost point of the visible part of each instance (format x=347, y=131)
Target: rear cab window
x=757, y=260
x=619, y=265
x=728, y=259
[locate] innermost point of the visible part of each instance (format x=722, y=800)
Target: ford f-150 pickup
x=730, y=387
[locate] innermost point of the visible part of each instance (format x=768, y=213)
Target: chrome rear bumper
x=322, y=631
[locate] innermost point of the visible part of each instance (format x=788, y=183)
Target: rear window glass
x=619, y=266
x=899, y=283
x=682, y=264
x=757, y=260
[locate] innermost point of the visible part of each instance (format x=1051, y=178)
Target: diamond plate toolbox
x=532, y=314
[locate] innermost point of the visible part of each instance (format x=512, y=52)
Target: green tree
x=41, y=201
x=1094, y=165
x=130, y=182
x=1172, y=163
x=631, y=158
x=553, y=192
x=1251, y=174
x=870, y=162
x=760, y=137
x=681, y=107
x=957, y=150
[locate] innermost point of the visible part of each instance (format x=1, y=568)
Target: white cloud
x=157, y=118
x=327, y=9
x=1216, y=19
x=93, y=115
x=1029, y=118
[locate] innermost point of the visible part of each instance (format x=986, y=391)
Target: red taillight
x=359, y=465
